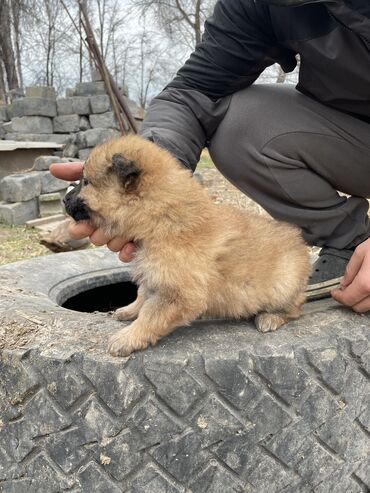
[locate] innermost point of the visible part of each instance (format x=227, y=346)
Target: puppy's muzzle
x=75, y=206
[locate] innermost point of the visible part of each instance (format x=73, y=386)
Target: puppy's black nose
x=75, y=206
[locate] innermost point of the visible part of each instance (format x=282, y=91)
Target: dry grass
x=205, y=161
x=19, y=243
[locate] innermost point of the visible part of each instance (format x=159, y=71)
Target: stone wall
x=81, y=121
x=33, y=194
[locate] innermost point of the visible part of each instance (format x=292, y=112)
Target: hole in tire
x=102, y=298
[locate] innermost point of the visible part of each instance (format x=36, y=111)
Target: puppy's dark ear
x=127, y=171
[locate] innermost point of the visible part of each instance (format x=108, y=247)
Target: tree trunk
x=197, y=23
x=7, y=47
x=2, y=83
x=16, y=14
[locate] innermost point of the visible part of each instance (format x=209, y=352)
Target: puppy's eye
x=85, y=182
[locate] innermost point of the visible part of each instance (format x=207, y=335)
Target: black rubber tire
x=215, y=407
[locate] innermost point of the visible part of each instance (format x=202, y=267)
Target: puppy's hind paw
x=269, y=322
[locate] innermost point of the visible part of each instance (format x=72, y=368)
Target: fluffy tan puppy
x=193, y=257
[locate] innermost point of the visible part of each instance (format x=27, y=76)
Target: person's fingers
x=353, y=267
x=116, y=243
x=99, y=238
x=363, y=306
x=127, y=252
x=67, y=171
x=353, y=294
x=80, y=230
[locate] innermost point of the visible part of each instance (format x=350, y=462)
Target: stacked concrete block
x=56, y=138
x=19, y=193
x=81, y=120
x=20, y=187
x=37, y=192
x=51, y=204
x=19, y=212
x=104, y=120
x=95, y=136
x=67, y=124
x=79, y=105
x=52, y=190
x=89, y=88
x=46, y=92
x=100, y=103
x=32, y=124
x=32, y=117
x=34, y=107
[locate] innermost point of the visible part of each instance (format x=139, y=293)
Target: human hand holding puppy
x=82, y=229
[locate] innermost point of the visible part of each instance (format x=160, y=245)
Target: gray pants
x=291, y=154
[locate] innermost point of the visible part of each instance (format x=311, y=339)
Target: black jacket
x=241, y=39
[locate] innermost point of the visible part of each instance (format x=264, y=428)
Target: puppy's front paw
x=124, y=313
x=269, y=322
x=125, y=342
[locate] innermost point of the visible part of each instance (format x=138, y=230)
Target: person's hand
x=355, y=287
x=82, y=229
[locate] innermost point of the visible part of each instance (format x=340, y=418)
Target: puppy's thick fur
x=193, y=257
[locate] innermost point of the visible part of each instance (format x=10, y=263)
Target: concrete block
x=56, y=138
x=42, y=163
x=79, y=105
x=89, y=88
x=46, y=92
x=19, y=212
x=95, y=136
x=70, y=92
x=34, y=107
x=66, y=123
x=64, y=106
x=50, y=204
x=20, y=187
x=4, y=117
x=104, y=120
x=83, y=154
x=51, y=184
x=100, y=103
x=32, y=124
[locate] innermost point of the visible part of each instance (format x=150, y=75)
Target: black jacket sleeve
x=237, y=45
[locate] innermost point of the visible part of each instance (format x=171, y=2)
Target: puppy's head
x=118, y=173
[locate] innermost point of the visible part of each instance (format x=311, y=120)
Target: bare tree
x=55, y=55
x=49, y=40
x=181, y=20
x=17, y=10
x=6, y=46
